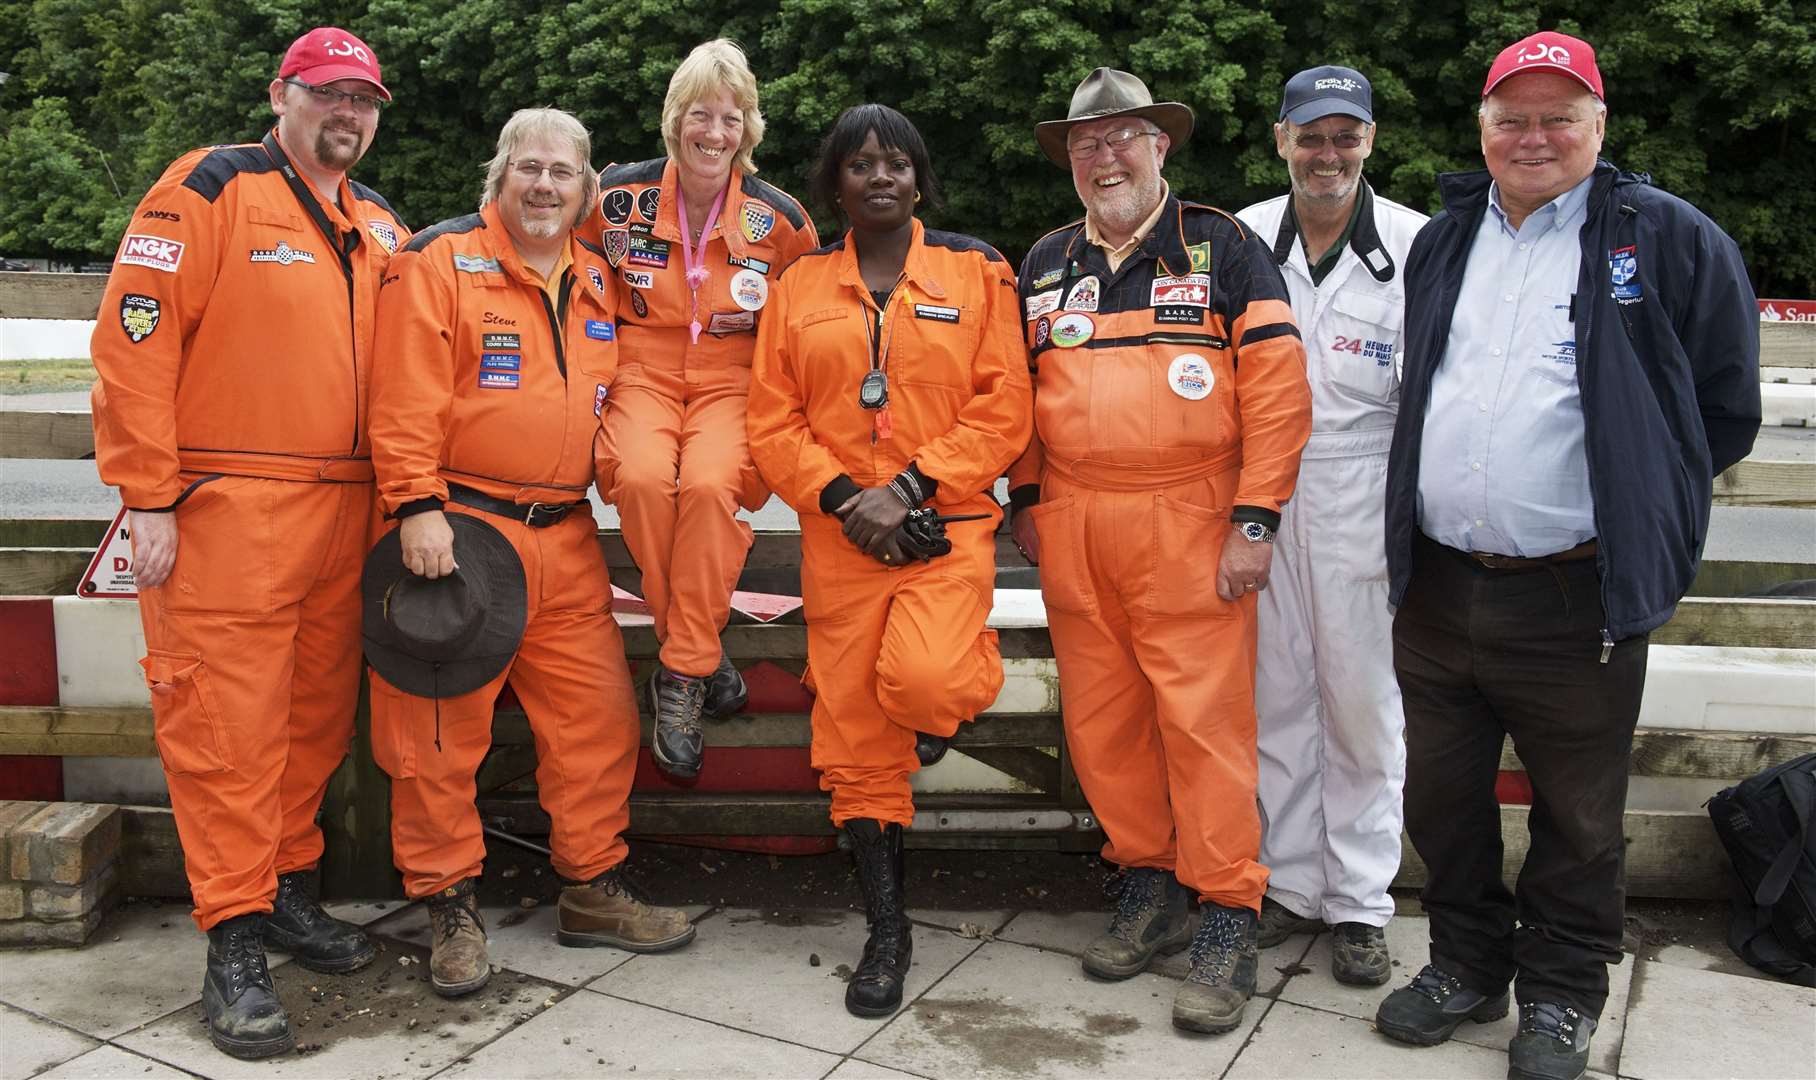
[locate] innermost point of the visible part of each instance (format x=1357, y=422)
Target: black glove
x=922, y=534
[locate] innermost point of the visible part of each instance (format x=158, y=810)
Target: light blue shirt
x=1502, y=467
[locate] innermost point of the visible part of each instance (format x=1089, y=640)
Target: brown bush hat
x=1107, y=92
x=451, y=635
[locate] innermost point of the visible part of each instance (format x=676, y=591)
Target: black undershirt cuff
x=1020, y=498
x=929, y=486
x=833, y=495
x=420, y=506
x=1258, y=514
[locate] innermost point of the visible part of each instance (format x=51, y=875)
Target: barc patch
x=646, y=251
x=139, y=316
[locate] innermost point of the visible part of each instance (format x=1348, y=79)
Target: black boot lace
x=1214, y=946
x=1435, y=984
x=688, y=697
x=1545, y=1018
x=294, y=901
x=1137, y=895
x=243, y=958
x=449, y=914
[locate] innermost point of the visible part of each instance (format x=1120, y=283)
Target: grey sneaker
x=679, y=705
x=1222, y=979
x=725, y=689
x=1553, y=1043
x=1279, y=922
x=1151, y=917
x=1358, y=954
x=1426, y=1011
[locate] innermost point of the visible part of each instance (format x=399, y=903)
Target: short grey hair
x=554, y=125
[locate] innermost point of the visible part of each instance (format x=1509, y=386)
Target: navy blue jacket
x=1667, y=364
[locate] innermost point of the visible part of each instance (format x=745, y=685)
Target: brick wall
x=59, y=870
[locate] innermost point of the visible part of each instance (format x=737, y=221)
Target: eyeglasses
x=531, y=171
x=1117, y=141
x=1314, y=141
x=330, y=98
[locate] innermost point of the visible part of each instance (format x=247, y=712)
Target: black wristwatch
x=1255, y=532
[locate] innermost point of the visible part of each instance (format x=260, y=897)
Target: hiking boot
x=1222, y=979
x=876, y=987
x=725, y=689
x=319, y=941
x=678, y=703
x=1427, y=1010
x=929, y=749
x=245, y=1018
x=1358, y=954
x=1151, y=917
x=1553, y=1043
x=1279, y=922
x=457, y=955
x=608, y=911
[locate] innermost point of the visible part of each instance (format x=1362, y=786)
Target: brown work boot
x=1152, y=916
x=607, y=911
x=457, y=955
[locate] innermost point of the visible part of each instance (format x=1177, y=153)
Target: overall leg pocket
x=1188, y=544
x=395, y=719
x=1065, y=573
x=188, y=718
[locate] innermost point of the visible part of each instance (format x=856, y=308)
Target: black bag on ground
x=1765, y=823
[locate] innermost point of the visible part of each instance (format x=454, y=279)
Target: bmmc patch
x=139, y=316
x=1623, y=268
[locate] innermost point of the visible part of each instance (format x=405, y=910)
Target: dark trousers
x=1484, y=653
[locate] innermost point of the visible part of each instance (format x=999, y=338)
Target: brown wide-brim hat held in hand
x=451, y=635
x=1107, y=92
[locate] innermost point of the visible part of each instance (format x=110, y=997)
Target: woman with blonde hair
x=697, y=240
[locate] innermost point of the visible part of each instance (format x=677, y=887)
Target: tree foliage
x=1709, y=96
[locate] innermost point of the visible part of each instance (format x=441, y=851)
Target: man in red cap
x=1581, y=360
x=234, y=349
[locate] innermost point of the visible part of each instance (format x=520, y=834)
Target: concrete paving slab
x=1409, y=942
x=1070, y=932
x=382, y=1022
x=713, y=979
x=1308, y=1044
x=590, y=1035
x=112, y=1063
x=1686, y=1023
x=962, y=922
x=524, y=941
x=854, y=1069
x=33, y=1045
x=1014, y=1011
x=141, y=964
x=364, y=912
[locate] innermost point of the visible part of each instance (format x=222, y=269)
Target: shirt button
x=1508, y=298
x=1496, y=352
x=1479, y=523
x=1523, y=247
x=1475, y=466
x=1481, y=406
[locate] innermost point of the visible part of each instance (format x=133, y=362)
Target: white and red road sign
x=109, y=573
x=1787, y=310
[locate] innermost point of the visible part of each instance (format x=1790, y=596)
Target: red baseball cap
x=327, y=53
x=1547, y=50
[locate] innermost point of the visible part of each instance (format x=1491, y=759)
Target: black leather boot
x=876, y=987
x=319, y=941
x=245, y=1018
x=725, y=689
x=929, y=749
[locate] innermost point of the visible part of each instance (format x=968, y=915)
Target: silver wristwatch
x=1255, y=532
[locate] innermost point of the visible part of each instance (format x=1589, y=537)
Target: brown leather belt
x=1584, y=550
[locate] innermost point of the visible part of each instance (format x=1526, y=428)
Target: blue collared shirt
x=1502, y=468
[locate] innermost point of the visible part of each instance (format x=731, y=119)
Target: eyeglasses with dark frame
x=1117, y=141
x=530, y=170
x=330, y=98
x=1315, y=140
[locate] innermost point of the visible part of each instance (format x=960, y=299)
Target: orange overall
x=892, y=650
x=674, y=458
x=492, y=384
x=234, y=348
x=1167, y=392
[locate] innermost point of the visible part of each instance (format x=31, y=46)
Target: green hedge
x=1713, y=97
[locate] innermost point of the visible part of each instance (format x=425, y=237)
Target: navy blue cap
x=1327, y=91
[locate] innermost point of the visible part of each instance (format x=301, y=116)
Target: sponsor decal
x=756, y=221
x=1193, y=290
x=1623, y=267
x=749, y=290
x=490, y=342
x=388, y=279
x=731, y=322
x=639, y=305
x=1343, y=85
x=649, y=200
x=1201, y=257
x=1190, y=376
x=492, y=318
x=494, y=361
x=758, y=265
x=162, y=215
x=1072, y=330
x=283, y=254
x=139, y=316
x=599, y=331
x=1192, y=316
x=593, y=275
x=936, y=313
x=638, y=279
x=1042, y=331
x=823, y=315
x=1560, y=352
x=1381, y=352
x=615, y=206
x=476, y=264
x=154, y=252
x=599, y=395
x=646, y=251
x=1042, y=304
x=1546, y=54
x=638, y=228
x=498, y=380
x=1774, y=310
x=384, y=234
x=617, y=244
x=1083, y=296
x=1049, y=278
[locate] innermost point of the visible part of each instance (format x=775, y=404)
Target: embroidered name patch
x=600, y=331
x=936, y=313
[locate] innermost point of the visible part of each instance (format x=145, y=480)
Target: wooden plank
x=53, y=532
x=59, y=435
x=1713, y=755
x=31, y=295
x=57, y=731
x=35, y=571
x=1767, y=483
x=1033, y=767
x=1670, y=854
x=1719, y=578
x=1787, y=344
x=721, y=814
x=1757, y=624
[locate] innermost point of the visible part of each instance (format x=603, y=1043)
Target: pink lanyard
x=695, y=258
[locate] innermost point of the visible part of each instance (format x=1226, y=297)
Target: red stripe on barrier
x=28, y=676
x=1512, y=787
